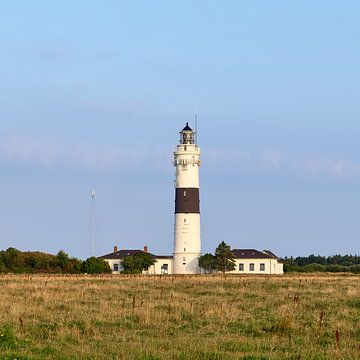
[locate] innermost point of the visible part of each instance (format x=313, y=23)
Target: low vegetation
x=180, y=317
x=137, y=263
x=15, y=261
x=317, y=263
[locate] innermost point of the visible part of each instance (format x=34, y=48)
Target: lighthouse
x=187, y=243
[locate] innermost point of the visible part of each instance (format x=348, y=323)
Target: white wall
x=187, y=234
x=272, y=266
x=159, y=269
x=187, y=163
x=111, y=263
x=156, y=269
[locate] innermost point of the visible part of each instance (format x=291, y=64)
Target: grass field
x=220, y=317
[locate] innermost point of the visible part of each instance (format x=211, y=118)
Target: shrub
x=135, y=264
x=207, y=262
x=95, y=265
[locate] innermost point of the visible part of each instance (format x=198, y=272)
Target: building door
x=164, y=269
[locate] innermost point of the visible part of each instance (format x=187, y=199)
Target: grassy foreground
x=206, y=318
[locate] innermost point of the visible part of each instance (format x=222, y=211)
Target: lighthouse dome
x=187, y=128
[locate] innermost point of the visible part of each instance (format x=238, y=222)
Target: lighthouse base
x=186, y=263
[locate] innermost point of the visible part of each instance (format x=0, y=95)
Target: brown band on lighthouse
x=187, y=201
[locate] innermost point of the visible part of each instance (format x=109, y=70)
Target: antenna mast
x=196, y=130
x=92, y=221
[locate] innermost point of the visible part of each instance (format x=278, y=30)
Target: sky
x=94, y=93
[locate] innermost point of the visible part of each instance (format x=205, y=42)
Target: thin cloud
x=338, y=168
x=50, y=152
x=271, y=160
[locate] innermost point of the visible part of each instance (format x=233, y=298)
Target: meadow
x=174, y=317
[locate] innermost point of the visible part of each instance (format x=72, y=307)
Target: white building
x=163, y=264
x=247, y=261
x=187, y=241
x=251, y=261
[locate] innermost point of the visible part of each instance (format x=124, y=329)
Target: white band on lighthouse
x=187, y=243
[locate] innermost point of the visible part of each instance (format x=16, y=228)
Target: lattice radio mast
x=92, y=221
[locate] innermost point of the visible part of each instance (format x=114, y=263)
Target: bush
x=135, y=264
x=288, y=267
x=314, y=268
x=13, y=260
x=336, y=263
x=95, y=265
x=3, y=268
x=207, y=262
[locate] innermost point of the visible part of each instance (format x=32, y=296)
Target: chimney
x=115, y=249
x=145, y=249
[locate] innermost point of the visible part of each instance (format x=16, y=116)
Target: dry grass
x=221, y=317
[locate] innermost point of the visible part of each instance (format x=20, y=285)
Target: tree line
x=15, y=261
x=317, y=263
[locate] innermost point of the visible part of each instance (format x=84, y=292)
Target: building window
x=241, y=267
x=251, y=267
x=262, y=267
x=116, y=267
x=184, y=192
x=164, y=268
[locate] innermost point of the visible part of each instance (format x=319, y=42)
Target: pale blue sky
x=93, y=94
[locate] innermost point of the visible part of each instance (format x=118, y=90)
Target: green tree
x=224, y=258
x=95, y=265
x=207, y=262
x=63, y=260
x=66, y=264
x=135, y=264
x=11, y=259
x=74, y=266
x=3, y=268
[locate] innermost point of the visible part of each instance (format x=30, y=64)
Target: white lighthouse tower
x=187, y=243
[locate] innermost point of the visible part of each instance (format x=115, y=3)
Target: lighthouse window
x=185, y=148
x=184, y=193
x=184, y=220
x=184, y=249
